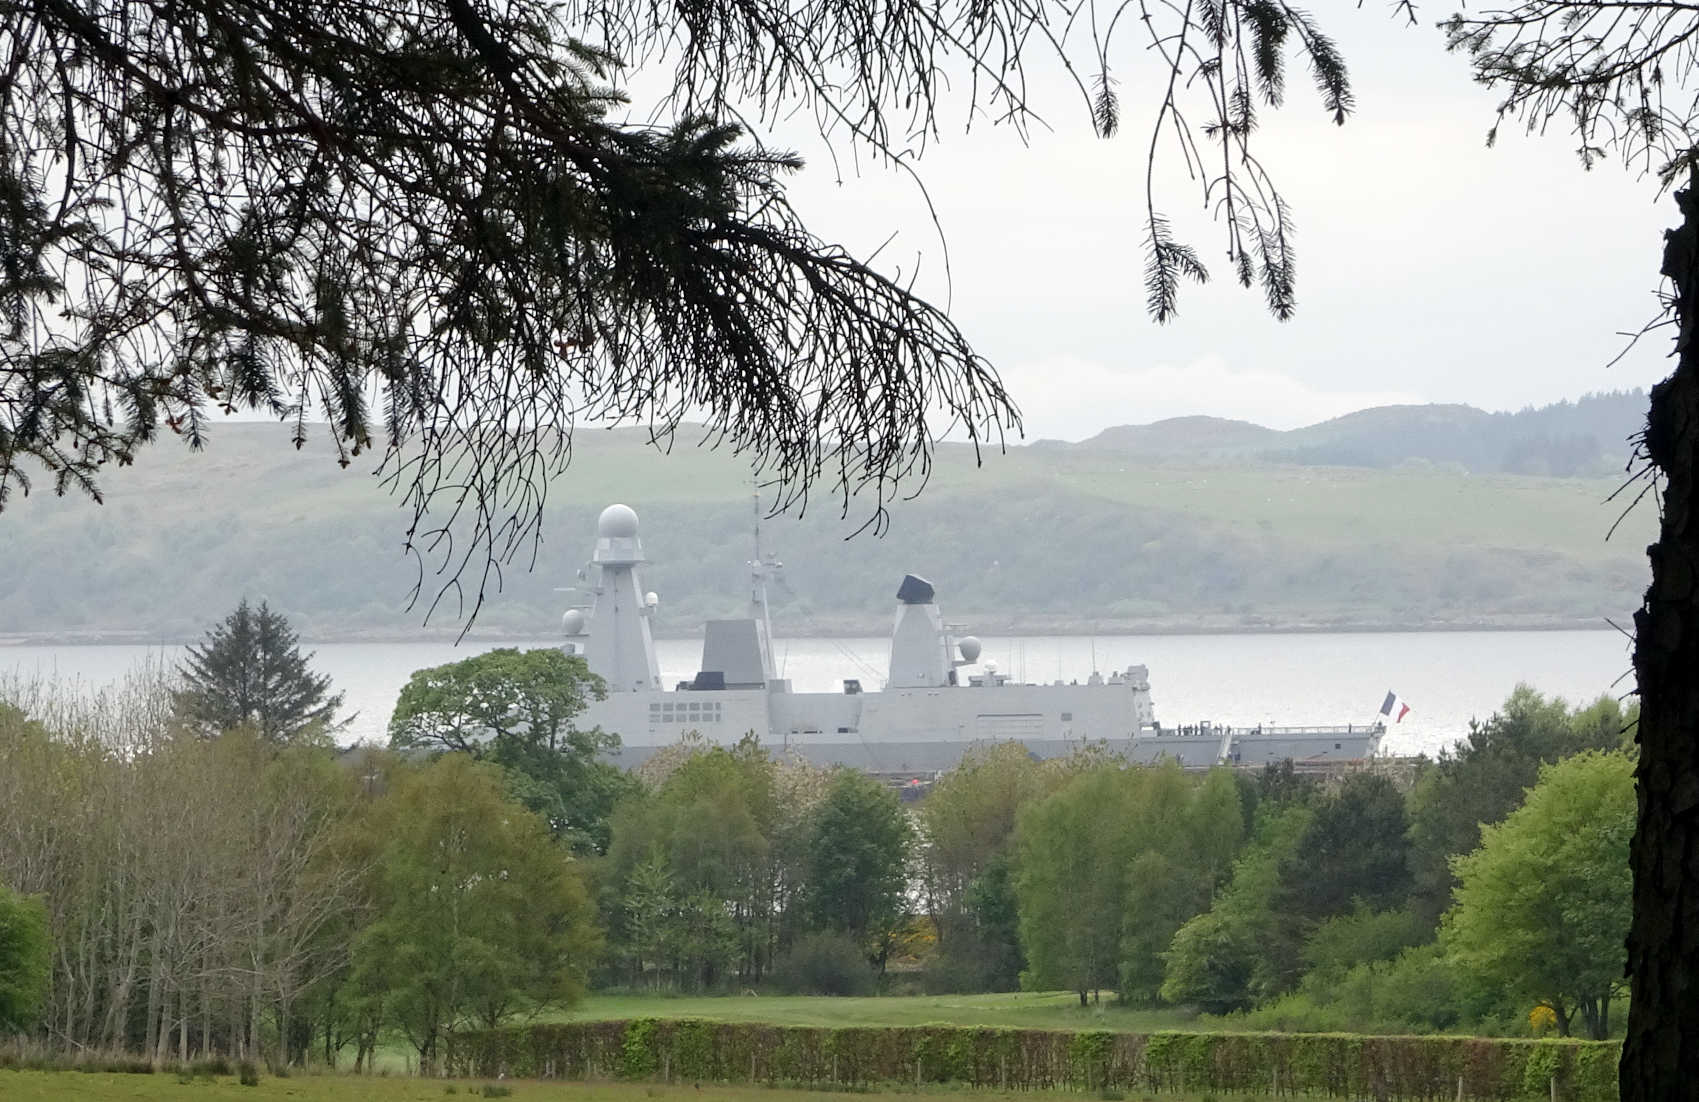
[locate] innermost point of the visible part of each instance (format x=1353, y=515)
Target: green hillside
x=1587, y=437
x=1044, y=537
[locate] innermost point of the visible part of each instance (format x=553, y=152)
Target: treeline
x=188, y=893
x=733, y=869
x=1586, y=437
x=234, y=896
x=1361, y=904
x=1354, y=906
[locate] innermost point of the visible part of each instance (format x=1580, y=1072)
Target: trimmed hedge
x=1333, y=1065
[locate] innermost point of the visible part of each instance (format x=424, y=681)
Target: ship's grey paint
x=927, y=715
x=732, y=648
x=620, y=645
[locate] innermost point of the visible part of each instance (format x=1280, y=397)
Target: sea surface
x=1446, y=678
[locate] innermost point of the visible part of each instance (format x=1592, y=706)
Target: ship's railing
x=1217, y=730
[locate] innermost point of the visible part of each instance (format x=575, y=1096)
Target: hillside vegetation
x=1397, y=517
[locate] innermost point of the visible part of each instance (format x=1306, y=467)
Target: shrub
x=248, y=1072
x=825, y=964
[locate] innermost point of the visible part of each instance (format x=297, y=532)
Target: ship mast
x=759, y=569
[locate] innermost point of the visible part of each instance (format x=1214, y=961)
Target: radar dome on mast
x=572, y=622
x=621, y=648
x=970, y=648
x=617, y=522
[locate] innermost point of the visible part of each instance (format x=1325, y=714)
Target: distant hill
x=1189, y=437
x=1568, y=439
x=1192, y=524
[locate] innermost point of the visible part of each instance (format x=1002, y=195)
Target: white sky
x=1431, y=269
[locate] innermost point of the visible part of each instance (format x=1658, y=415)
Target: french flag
x=1393, y=709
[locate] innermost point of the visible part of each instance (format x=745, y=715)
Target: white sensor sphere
x=572, y=622
x=969, y=646
x=651, y=599
x=617, y=522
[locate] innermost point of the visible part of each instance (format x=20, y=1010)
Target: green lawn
x=70, y=1086
x=1047, y=1010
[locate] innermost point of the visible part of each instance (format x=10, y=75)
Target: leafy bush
x=1362, y=937
x=248, y=1072
x=1421, y=991
x=25, y=959
x=825, y=964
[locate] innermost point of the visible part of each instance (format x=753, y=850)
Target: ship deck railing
x=1216, y=731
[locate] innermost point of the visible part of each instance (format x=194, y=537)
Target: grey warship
x=936, y=702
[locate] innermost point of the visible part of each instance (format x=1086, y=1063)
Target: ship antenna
x=758, y=569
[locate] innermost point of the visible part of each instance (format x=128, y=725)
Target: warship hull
x=932, y=708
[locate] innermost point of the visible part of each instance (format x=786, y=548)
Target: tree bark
x=1660, y=1060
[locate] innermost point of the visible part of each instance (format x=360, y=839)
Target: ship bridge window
x=1067, y=717
x=694, y=712
x=1336, y=746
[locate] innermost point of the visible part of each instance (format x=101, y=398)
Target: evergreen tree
x=250, y=671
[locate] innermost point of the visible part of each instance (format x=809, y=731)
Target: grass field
x=70, y=1086
x=1020, y=1010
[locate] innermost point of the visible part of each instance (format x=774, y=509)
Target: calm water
x=1445, y=677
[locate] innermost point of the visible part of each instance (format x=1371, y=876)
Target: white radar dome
x=651, y=599
x=617, y=522
x=969, y=646
x=572, y=622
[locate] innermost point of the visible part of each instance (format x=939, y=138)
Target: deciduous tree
x=478, y=911
x=1071, y=882
x=1485, y=776
x=1185, y=834
x=967, y=825
x=1543, y=905
x=518, y=709
x=1242, y=949
x=857, y=862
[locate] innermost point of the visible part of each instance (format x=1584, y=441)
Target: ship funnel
x=920, y=649
x=915, y=590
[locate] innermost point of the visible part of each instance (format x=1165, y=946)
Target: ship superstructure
x=931, y=708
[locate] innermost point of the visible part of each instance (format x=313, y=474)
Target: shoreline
x=858, y=630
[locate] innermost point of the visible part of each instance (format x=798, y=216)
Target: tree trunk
x=1660, y=1060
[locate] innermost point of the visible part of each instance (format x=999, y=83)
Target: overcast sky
x=1431, y=269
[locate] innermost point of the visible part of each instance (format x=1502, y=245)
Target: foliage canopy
x=479, y=913
x=1543, y=906
x=517, y=709
x=26, y=960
